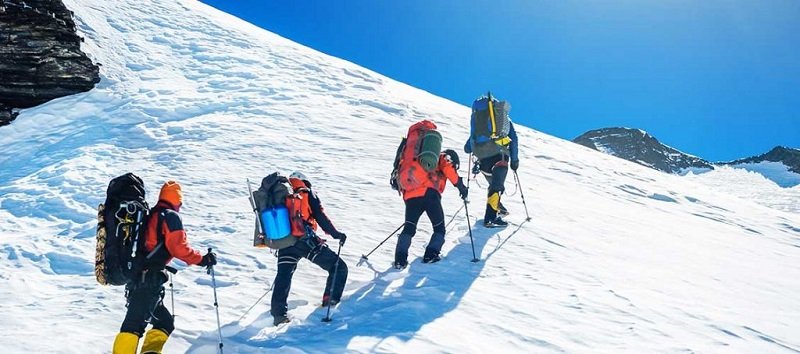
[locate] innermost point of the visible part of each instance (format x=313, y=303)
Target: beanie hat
x=171, y=193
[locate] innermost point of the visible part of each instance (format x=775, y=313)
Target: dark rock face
x=6, y=115
x=788, y=156
x=637, y=146
x=40, y=55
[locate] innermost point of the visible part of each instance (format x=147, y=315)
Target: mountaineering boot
x=400, y=264
x=280, y=319
x=326, y=300
x=497, y=222
x=502, y=211
x=431, y=256
x=401, y=252
x=431, y=259
x=125, y=343
x=154, y=340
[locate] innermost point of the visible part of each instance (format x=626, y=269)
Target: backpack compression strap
x=500, y=141
x=491, y=116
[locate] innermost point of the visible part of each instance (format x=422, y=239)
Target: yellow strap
x=491, y=114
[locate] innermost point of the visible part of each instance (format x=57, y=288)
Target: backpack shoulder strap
x=398, y=155
x=159, y=234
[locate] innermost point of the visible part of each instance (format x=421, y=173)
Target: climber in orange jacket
x=422, y=192
x=164, y=239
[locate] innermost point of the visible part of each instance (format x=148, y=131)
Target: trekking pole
x=216, y=303
x=333, y=283
x=256, y=303
x=453, y=217
x=522, y=194
x=365, y=257
x=466, y=210
x=172, y=294
x=469, y=170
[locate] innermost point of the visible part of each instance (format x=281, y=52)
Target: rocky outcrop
x=788, y=156
x=638, y=146
x=40, y=55
x=6, y=115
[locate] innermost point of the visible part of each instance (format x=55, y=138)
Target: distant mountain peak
x=639, y=146
x=789, y=157
x=786, y=155
x=781, y=164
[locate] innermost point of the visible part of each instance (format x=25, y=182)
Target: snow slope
x=774, y=171
x=751, y=185
x=618, y=257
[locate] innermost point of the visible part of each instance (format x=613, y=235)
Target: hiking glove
x=339, y=236
x=209, y=259
x=514, y=165
x=463, y=191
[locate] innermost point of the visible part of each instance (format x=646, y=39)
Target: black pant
x=431, y=204
x=145, y=305
x=495, y=169
x=309, y=247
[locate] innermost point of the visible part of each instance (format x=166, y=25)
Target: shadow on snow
x=380, y=309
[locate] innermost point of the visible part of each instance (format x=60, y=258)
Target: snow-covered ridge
x=780, y=166
x=618, y=257
x=638, y=146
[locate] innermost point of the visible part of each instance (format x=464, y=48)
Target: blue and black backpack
x=273, y=217
x=489, y=127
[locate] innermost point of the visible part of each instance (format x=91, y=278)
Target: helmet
x=298, y=175
x=452, y=156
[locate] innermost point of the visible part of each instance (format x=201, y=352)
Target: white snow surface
x=774, y=171
x=617, y=257
x=750, y=185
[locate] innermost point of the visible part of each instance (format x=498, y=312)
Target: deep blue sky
x=715, y=78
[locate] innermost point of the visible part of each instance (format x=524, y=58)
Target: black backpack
x=121, y=226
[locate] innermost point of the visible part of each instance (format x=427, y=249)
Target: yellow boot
x=125, y=343
x=153, y=341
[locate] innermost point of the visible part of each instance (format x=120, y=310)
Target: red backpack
x=417, y=156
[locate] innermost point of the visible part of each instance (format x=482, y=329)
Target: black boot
x=401, y=251
x=502, y=210
x=400, y=264
x=497, y=222
x=280, y=319
x=326, y=300
x=431, y=256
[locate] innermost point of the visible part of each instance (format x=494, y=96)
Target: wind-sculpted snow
x=754, y=185
x=617, y=257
